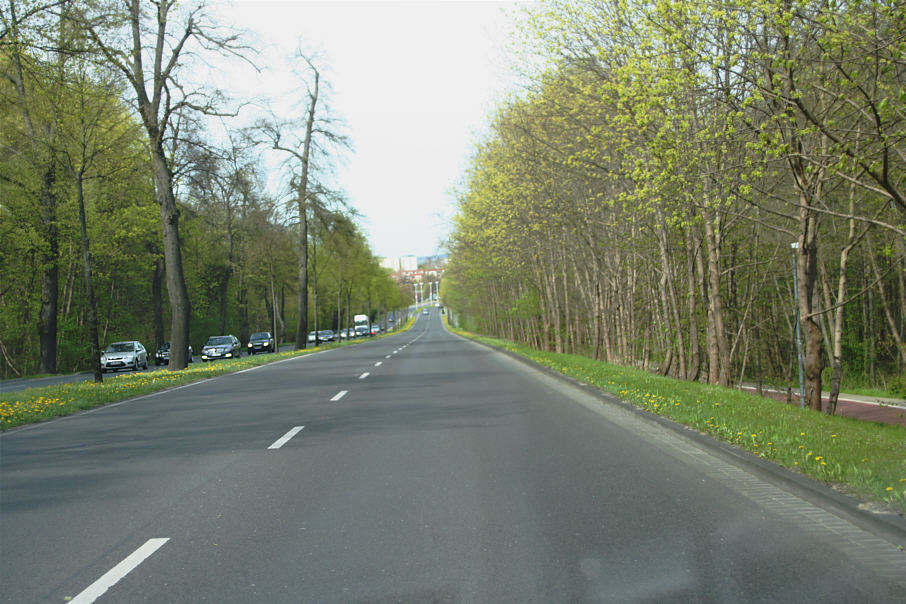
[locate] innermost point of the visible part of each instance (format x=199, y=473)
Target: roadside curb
x=890, y=526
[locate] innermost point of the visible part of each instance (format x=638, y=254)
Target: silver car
x=124, y=355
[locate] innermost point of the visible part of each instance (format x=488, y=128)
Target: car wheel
x=145, y=366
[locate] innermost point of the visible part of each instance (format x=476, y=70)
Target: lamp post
x=795, y=247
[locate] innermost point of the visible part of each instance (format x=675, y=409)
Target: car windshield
x=220, y=340
x=325, y=332
x=120, y=347
x=165, y=346
x=261, y=336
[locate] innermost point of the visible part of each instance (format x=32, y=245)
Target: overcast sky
x=415, y=82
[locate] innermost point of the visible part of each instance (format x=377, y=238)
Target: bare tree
x=316, y=135
x=126, y=35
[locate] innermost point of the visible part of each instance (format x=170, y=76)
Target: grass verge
x=865, y=459
x=38, y=404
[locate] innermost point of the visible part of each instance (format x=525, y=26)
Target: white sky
x=415, y=82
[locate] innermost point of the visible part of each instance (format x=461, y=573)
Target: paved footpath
x=868, y=408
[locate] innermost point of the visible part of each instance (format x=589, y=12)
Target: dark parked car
x=124, y=355
x=262, y=341
x=162, y=356
x=221, y=347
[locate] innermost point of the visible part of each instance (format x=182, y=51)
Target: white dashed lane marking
x=285, y=438
x=112, y=576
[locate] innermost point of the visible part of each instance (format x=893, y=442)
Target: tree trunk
x=50, y=280
x=806, y=270
x=302, y=321
x=180, y=310
x=694, y=360
x=718, y=348
x=302, y=192
x=89, y=287
x=157, y=301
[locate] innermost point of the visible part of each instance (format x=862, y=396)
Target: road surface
x=414, y=468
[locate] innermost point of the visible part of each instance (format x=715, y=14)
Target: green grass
x=868, y=459
x=38, y=404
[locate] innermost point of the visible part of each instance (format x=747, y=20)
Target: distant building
x=392, y=263
x=414, y=269
x=437, y=261
x=409, y=263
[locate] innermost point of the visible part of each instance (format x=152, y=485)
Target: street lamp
x=795, y=247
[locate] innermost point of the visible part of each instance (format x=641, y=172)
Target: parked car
x=221, y=347
x=162, y=355
x=261, y=341
x=124, y=355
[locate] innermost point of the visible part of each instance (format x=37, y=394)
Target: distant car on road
x=323, y=335
x=162, y=355
x=261, y=341
x=426, y=312
x=124, y=355
x=221, y=347
x=361, y=331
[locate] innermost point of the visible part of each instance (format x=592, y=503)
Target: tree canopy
x=641, y=200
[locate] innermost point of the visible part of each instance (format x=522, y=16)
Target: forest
x=715, y=191
x=124, y=215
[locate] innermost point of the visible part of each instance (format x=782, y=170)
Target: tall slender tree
x=126, y=37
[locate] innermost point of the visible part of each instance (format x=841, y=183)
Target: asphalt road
x=415, y=468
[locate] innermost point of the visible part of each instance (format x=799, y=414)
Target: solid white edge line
x=364, y=375
x=112, y=576
x=339, y=395
x=285, y=438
